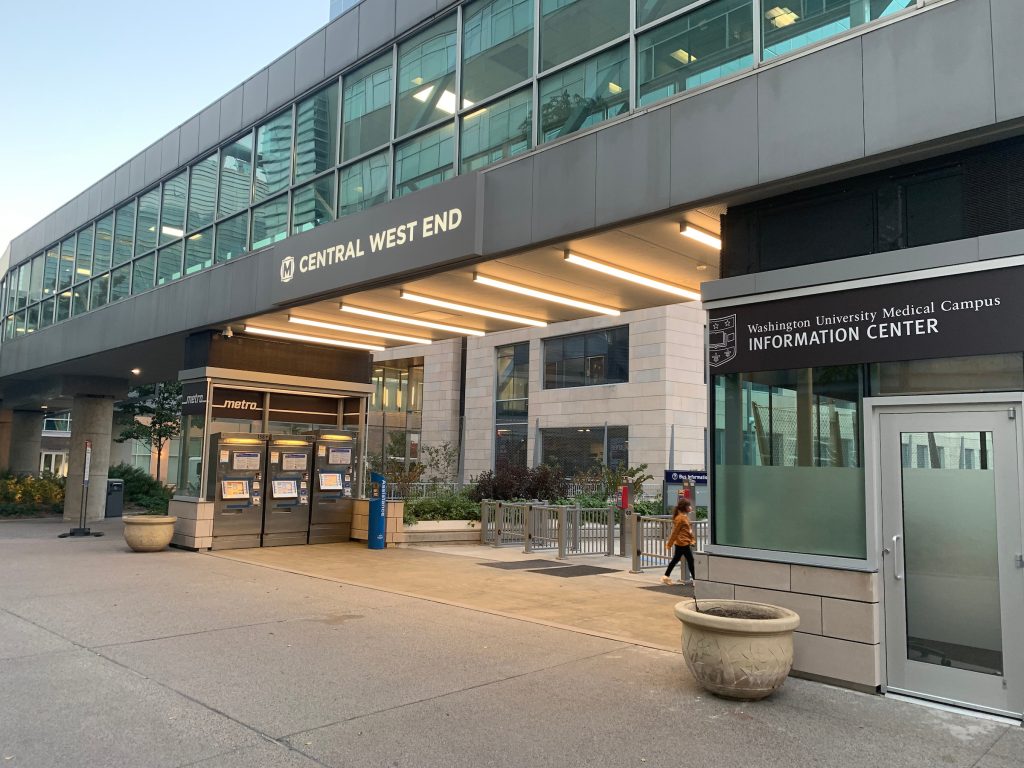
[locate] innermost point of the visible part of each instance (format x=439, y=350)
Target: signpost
x=81, y=530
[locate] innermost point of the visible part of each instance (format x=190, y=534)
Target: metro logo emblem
x=721, y=340
x=287, y=269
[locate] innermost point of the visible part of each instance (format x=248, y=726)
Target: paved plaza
x=337, y=656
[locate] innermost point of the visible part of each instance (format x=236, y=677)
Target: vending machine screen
x=341, y=456
x=285, y=489
x=234, y=489
x=330, y=481
x=293, y=462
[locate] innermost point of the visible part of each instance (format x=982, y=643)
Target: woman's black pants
x=680, y=553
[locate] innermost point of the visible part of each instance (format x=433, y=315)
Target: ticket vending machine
x=286, y=508
x=334, y=484
x=235, y=486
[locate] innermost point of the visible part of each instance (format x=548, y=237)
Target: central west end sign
x=973, y=313
x=419, y=232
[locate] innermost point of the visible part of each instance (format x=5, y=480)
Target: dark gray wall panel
x=108, y=191
x=509, y=188
x=554, y=212
x=188, y=141
x=254, y=99
x=154, y=161
x=376, y=24
x=632, y=175
x=792, y=141
x=209, y=126
x=309, y=62
x=169, y=148
x=137, y=173
x=914, y=90
x=342, y=42
x=409, y=13
x=95, y=200
x=714, y=142
x=82, y=208
x=1007, y=23
x=281, y=81
x=231, y=113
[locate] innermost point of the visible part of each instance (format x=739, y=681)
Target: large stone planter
x=148, y=533
x=738, y=658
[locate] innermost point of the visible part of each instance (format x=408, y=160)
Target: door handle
x=897, y=556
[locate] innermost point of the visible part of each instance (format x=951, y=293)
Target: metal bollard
x=634, y=544
x=563, y=521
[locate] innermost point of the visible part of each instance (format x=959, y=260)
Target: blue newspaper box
x=377, y=531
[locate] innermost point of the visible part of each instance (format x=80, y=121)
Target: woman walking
x=682, y=539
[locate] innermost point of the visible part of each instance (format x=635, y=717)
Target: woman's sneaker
x=666, y=580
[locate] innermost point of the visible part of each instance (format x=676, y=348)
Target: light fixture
x=683, y=57
x=136, y=371
x=522, y=289
x=358, y=331
x=702, y=267
x=45, y=407
x=409, y=320
x=472, y=310
x=695, y=233
x=446, y=102
x=258, y=331
x=780, y=17
x=614, y=88
x=466, y=104
x=633, y=277
x=171, y=231
x=424, y=94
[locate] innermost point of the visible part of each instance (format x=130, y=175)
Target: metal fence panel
x=650, y=534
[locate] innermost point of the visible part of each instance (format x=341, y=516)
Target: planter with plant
x=149, y=529
x=737, y=649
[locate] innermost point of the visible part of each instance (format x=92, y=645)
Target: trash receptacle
x=115, y=498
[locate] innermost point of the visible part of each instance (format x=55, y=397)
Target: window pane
x=980, y=373
x=426, y=78
x=202, y=193
x=46, y=311
x=582, y=450
x=145, y=227
x=510, y=445
x=232, y=237
x=569, y=28
x=80, y=299
x=199, y=251
x=124, y=233
x=32, y=319
x=649, y=10
x=24, y=280
x=316, y=133
x=585, y=94
x=366, y=112
x=35, y=289
x=120, y=283
x=172, y=212
x=796, y=23
x=693, y=50
x=98, y=291
x=168, y=264
x=270, y=222
x=51, y=265
x=83, y=255
x=143, y=273
x=313, y=204
x=364, y=184
x=104, y=244
x=497, y=47
x=63, y=311
x=235, y=176
x=497, y=132
x=273, y=157
x=66, y=267
x=424, y=161
x=792, y=435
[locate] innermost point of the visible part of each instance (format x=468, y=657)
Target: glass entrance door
x=951, y=525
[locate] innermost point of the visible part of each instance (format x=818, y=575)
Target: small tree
x=152, y=413
x=442, y=462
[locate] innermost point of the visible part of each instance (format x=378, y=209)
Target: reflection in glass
x=199, y=251
x=273, y=157
x=316, y=133
x=793, y=24
x=98, y=290
x=120, y=283
x=104, y=244
x=32, y=319
x=649, y=10
x=364, y=184
x=425, y=160
x=63, y=310
x=232, y=238
x=587, y=359
x=80, y=299
x=950, y=550
x=46, y=310
x=366, y=111
x=512, y=392
x=202, y=193
x=66, y=267
x=497, y=47
x=124, y=233
x=172, y=212
x=270, y=222
x=313, y=204
x=980, y=373
x=36, y=282
x=426, y=78
x=144, y=273
x=235, y=176
x=690, y=51
x=24, y=280
x=569, y=28
x=497, y=132
x=83, y=255
x=168, y=264
x=785, y=440
x=585, y=94
x=145, y=227
x=190, y=467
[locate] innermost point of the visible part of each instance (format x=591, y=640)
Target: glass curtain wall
x=511, y=405
x=366, y=109
x=497, y=47
x=394, y=417
x=426, y=78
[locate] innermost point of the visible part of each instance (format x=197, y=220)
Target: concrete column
x=92, y=418
x=5, y=439
x=26, y=437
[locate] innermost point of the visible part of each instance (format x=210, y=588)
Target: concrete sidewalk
x=112, y=658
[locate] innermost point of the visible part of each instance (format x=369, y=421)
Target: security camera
x=227, y=333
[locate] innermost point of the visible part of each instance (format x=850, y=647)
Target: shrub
x=447, y=506
x=510, y=482
x=141, y=489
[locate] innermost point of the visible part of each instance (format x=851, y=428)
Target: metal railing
x=568, y=530
x=398, y=491
x=649, y=532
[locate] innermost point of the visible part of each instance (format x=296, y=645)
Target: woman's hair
x=683, y=505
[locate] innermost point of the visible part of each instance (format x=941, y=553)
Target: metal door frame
x=874, y=407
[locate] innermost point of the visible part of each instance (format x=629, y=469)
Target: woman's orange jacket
x=682, y=531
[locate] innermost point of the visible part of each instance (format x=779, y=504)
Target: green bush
x=448, y=506
x=142, y=489
x=651, y=507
